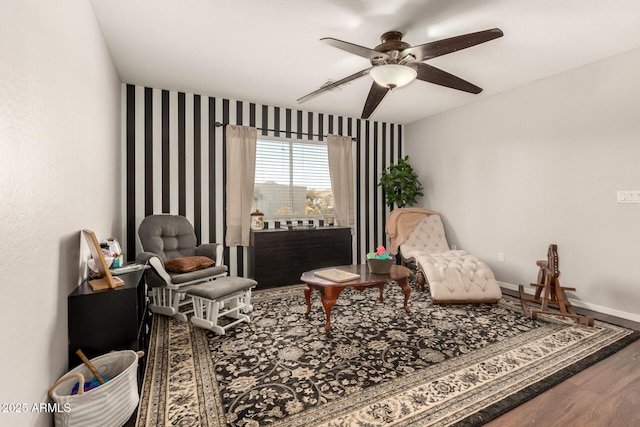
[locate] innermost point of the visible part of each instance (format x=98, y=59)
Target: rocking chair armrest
x=155, y=262
x=211, y=250
x=144, y=257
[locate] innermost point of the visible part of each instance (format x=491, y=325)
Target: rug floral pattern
x=440, y=365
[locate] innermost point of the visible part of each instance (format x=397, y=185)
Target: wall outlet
x=500, y=256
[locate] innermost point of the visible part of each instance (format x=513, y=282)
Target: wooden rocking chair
x=554, y=294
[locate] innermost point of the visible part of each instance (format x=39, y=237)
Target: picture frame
x=105, y=280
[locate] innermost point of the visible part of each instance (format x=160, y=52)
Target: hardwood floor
x=605, y=394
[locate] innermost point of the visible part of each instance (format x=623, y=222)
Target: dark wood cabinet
x=113, y=319
x=279, y=257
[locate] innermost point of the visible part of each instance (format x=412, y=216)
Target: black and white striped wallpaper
x=174, y=162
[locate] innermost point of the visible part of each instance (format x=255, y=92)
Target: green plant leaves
x=400, y=184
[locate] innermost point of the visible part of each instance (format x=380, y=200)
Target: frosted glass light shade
x=392, y=75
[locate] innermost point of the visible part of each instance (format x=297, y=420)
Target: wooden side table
x=112, y=319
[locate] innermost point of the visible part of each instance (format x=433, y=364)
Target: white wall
x=59, y=173
x=542, y=164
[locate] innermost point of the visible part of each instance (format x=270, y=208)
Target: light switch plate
x=628, y=196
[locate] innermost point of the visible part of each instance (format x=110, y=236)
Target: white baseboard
x=577, y=303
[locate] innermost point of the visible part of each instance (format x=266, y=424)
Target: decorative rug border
x=196, y=367
x=495, y=410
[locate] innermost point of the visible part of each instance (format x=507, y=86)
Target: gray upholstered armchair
x=168, y=238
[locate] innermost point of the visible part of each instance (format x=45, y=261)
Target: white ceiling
x=268, y=51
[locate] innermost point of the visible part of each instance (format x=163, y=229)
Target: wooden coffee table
x=329, y=291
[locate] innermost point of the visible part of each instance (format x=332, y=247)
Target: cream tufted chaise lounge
x=453, y=276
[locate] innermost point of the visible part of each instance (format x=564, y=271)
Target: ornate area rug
x=441, y=365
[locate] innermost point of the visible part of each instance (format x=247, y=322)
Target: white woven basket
x=108, y=405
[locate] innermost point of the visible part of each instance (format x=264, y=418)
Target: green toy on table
x=380, y=253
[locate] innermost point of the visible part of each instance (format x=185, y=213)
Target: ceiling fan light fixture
x=393, y=75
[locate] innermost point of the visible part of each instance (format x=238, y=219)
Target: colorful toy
x=97, y=378
x=88, y=385
x=380, y=253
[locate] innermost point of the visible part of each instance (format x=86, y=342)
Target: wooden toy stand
x=550, y=293
x=106, y=280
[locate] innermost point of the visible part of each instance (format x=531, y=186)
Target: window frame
x=291, y=142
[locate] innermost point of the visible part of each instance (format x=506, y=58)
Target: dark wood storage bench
x=279, y=257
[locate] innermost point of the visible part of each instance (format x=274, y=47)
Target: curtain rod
x=218, y=124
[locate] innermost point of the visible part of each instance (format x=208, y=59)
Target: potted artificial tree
x=400, y=184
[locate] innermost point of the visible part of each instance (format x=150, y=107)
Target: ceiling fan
x=395, y=63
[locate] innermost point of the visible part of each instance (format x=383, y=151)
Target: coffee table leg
x=307, y=295
x=328, y=303
x=404, y=284
x=329, y=296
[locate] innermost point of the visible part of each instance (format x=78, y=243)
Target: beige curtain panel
x=340, y=153
x=241, y=170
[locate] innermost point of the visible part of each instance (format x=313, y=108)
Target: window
x=292, y=179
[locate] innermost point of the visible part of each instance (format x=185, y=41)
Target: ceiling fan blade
x=334, y=85
x=435, y=75
x=453, y=44
x=365, y=52
x=376, y=94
